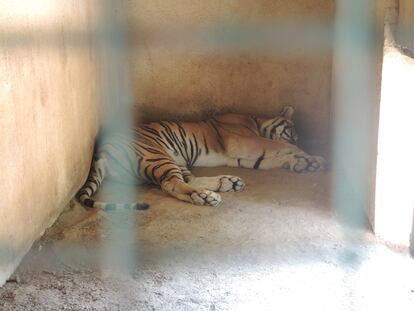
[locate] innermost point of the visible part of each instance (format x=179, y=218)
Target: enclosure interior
x=282, y=223
x=193, y=80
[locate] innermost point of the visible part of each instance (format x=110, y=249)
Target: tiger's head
x=281, y=127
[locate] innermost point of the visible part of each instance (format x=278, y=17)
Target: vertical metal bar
x=353, y=90
x=353, y=100
x=116, y=102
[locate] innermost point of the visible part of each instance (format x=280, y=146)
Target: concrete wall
x=380, y=17
x=394, y=181
x=190, y=83
x=406, y=22
x=48, y=117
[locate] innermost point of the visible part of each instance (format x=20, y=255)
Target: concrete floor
x=275, y=246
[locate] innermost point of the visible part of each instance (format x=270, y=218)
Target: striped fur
x=162, y=153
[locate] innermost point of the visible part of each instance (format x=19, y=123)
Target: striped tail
x=91, y=186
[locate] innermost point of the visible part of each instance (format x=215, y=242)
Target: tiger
x=163, y=153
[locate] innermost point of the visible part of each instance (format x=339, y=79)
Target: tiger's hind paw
x=205, y=197
x=230, y=184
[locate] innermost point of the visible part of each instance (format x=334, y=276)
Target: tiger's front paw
x=306, y=163
x=205, y=197
x=318, y=164
x=230, y=184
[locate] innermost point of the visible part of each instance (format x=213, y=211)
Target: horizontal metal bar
x=286, y=37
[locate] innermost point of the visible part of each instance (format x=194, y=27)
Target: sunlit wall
x=48, y=116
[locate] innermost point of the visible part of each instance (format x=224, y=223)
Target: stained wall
x=48, y=116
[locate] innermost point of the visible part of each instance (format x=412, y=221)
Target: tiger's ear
x=287, y=112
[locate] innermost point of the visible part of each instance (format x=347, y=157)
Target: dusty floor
x=275, y=246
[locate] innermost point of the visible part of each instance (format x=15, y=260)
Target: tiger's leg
x=172, y=181
x=187, y=175
x=221, y=183
x=261, y=153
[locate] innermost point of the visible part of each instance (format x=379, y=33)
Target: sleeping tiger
x=162, y=153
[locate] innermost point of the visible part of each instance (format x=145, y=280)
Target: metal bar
x=116, y=100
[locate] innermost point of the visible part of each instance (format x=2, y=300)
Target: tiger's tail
x=92, y=185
